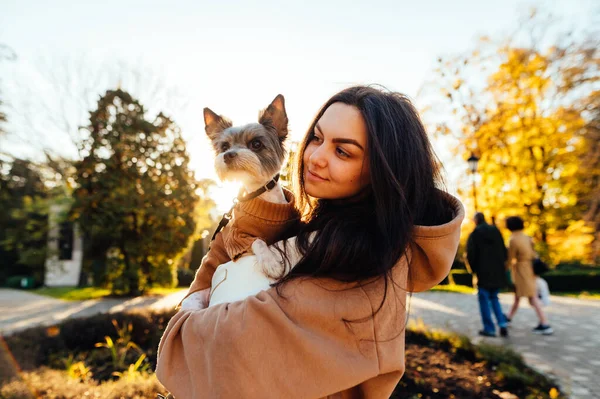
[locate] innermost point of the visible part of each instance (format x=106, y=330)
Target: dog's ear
x=215, y=124
x=276, y=117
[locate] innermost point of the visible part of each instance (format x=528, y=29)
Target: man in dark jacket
x=486, y=254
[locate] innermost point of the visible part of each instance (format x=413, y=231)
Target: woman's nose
x=318, y=158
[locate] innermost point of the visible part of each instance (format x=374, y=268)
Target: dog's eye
x=256, y=144
x=224, y=147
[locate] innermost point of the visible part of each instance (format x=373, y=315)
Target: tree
x=136, y=197
x=287, y=170
x=590, y=171
x=23, y=220
x=514, y=104
x=52, y=96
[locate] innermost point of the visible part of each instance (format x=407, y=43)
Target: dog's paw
x=196, y=301
x=271, y=261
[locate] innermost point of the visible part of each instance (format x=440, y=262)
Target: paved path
x=20, y=310
x=571, y=354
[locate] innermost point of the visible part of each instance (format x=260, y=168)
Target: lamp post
x=472, y=161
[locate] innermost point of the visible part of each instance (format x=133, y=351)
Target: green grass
x=82, y=294
x=163, y=290
x=73, y=293
x=459, y=289
x=591, y=294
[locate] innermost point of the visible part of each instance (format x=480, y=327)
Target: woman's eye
x=342, y=153
x=255, y=144
x=224, y=147
x=315, y=139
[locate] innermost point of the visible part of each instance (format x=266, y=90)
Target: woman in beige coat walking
x=520, y=257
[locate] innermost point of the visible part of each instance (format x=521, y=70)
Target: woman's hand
x=196, y=301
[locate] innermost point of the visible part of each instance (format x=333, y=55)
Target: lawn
x=463, y=289
x=459, y=289
x=82, y=294
x=591, y=294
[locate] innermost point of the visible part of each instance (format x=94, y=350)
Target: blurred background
x=106, y=175
x=511, y=86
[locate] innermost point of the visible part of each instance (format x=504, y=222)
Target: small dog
x=253, y=154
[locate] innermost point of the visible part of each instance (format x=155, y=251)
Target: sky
x=236, y=56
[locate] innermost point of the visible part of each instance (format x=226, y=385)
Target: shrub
x=572, y=280
x=20, y=280
x=461, y=277
x=576, y=265
x=458, y=265
x=185, y=277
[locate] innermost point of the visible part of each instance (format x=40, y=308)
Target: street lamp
x=472, y=161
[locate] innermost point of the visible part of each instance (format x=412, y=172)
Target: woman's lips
x=313, y=176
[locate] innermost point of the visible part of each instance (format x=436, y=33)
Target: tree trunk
x=131, y=275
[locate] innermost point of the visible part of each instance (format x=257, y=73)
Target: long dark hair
x=364, y=237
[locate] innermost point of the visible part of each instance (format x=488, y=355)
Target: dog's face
x=252, y=153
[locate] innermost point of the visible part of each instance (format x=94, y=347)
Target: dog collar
x=242, y=197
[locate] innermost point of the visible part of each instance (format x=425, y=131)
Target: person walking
x=486, y=255
x=520, y=257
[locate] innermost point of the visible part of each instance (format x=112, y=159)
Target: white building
x=65, y=251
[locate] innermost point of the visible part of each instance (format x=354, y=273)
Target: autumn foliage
x=527, y=106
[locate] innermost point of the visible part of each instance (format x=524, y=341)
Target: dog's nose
x=229, y=156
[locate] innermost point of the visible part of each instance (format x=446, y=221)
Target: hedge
x=558, y=281
x=458, y=277
x=572, y=281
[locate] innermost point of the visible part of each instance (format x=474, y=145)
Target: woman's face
x=336, y=158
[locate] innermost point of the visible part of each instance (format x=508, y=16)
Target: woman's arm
x=268, y=346
x=512, y=252
x=433, y=249
x=215, y=256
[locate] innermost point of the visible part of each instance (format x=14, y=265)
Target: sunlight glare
x=223, y=194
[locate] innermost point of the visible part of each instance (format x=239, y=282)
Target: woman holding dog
x=376, y=226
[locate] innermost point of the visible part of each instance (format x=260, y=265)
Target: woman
x=520, y=257
x=376, y=227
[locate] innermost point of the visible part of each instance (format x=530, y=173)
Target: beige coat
x=520, y=255
x=316, y=340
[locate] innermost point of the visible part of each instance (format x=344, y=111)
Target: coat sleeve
x=215, y=256
x=512, y=253
x=472, y=254
x=501, y=242
x=269, y=346
x=433, y=250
